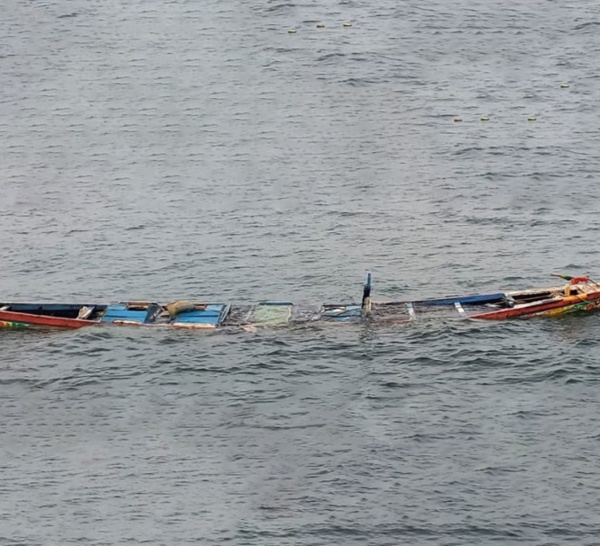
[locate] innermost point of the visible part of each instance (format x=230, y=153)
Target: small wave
x=469, y=150
x=587, y=26
x=396, y=385
x=358, y=82
x=330, y=57
x=497, y=470
x=284, y=6
x=16, y=381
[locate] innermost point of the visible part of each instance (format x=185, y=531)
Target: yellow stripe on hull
x=580, y=305
x=559, y=310
x=8, y=324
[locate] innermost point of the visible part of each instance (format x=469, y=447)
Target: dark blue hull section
x=449, y=301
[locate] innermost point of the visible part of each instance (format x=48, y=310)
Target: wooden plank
x=460, y=309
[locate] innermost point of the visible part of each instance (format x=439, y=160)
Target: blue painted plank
x=476, y=299
x=121, y=311
x=212, y=314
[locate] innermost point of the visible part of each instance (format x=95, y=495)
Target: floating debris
x=531, y=118
x=564, y=86
x=291, y=31
x=346, y=24
x=484, y=118
x=320, y=25
x=457, y=119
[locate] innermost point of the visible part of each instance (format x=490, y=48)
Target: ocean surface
x=197, y=149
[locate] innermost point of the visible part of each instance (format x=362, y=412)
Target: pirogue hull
x=553, y=307
x=579, y=294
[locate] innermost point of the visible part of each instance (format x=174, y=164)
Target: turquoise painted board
x=129, y=312
x=209, y=316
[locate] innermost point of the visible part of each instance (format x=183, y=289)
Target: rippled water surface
x=197, y=149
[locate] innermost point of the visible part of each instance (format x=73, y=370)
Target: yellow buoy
x=564, y=86
x=292, y=31
x=484, y=118
x=457, y=119
x=531, y=118
x=346, y=24
x=320, y=25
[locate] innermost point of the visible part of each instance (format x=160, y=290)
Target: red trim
x=45, y=320
x=504, y=314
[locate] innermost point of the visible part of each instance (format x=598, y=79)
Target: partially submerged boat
x=180, y=314
x=578, y=294
x=59, y=315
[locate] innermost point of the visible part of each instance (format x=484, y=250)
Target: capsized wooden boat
x=578, y=294
x=58, y=315
x=180, y=314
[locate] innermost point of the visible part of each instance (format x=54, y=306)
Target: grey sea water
x=166, y=149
